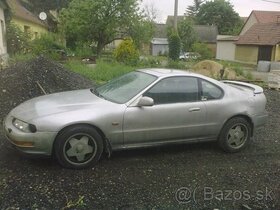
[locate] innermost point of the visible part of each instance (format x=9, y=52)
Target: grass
x=20, y=58
x=238, y=68
x=101, y=73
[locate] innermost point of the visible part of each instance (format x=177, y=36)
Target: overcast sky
x=243, y=7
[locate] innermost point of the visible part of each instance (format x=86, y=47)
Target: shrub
x=48, y=45
x=203, y=50
x=127, y=53
x=17, y=40
x=174, y=44
x=176, y=65
x=150, y=61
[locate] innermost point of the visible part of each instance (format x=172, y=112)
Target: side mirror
x=145, y=101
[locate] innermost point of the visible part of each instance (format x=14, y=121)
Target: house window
x=36, y=35
x=3, y=33
x=27, y=30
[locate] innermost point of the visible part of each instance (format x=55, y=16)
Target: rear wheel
x=78, y=147
x=235, y=135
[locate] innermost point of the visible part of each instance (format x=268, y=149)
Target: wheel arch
x=106, y=142
x=244, y=116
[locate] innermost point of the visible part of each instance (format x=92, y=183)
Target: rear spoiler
x=257, y=89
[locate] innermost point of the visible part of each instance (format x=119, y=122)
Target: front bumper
x=39, y=143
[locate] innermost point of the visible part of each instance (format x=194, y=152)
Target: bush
x=47, y=44
x=174, y=44
x=17, y=40
x=203, y=50
x=127, y=53
x=176, y=65
x=150, y=61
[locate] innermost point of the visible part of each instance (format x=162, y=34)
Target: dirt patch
x=29, y=79
x=212, y=69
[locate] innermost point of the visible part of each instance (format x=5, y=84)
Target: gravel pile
x=30, y=79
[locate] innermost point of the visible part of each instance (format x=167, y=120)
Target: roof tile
x=261, y=34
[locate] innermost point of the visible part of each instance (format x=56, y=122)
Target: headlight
x=23, y=126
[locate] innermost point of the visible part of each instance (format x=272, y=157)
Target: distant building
x=205, y=33
x=259, y=40
x=159, y=46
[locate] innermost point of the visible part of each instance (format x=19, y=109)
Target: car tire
x=78, y=147
x=235, y=135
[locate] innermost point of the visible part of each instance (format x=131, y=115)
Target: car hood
x=56, y=103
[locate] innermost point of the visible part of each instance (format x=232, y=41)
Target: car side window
x=210, y=91
x=174, y=90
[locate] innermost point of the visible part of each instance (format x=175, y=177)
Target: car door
x=216, y=107
x=177, y=113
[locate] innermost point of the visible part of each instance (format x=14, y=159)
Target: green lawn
x=101, y=73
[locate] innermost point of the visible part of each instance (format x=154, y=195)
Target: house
x=3, y=43
x=259, y=43
x=26, y=20
x=205, y=33
x=258, y=40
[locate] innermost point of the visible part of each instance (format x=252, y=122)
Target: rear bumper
x=39, y=143
x=260, y=119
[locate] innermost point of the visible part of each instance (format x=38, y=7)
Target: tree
x=150, y=12
x=193, y=9
x=187, y=34
x=99, y=21
x=141, y=32
x=174, y=44
x=220, y=13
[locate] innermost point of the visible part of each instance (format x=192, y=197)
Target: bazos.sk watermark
x=186, y=195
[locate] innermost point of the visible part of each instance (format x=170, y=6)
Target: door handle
x=194, y=109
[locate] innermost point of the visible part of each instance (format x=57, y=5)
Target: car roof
x=163, y=73
x=167, y=72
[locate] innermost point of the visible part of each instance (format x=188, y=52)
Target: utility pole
x=176, y=16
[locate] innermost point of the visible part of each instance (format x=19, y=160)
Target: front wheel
x=78, y=147
x=235, y=135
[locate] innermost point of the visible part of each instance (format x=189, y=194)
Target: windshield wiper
x=95, y=92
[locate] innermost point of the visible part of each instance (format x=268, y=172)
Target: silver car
x=149, y=107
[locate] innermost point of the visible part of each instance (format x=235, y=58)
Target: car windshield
x=124, y=88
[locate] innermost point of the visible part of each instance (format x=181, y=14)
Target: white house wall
x=3, y=44
x=225, y=50
x=159, y=49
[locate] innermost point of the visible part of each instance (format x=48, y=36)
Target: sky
x=243, y=7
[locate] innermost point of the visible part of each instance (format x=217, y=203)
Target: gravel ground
x=193, y=176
